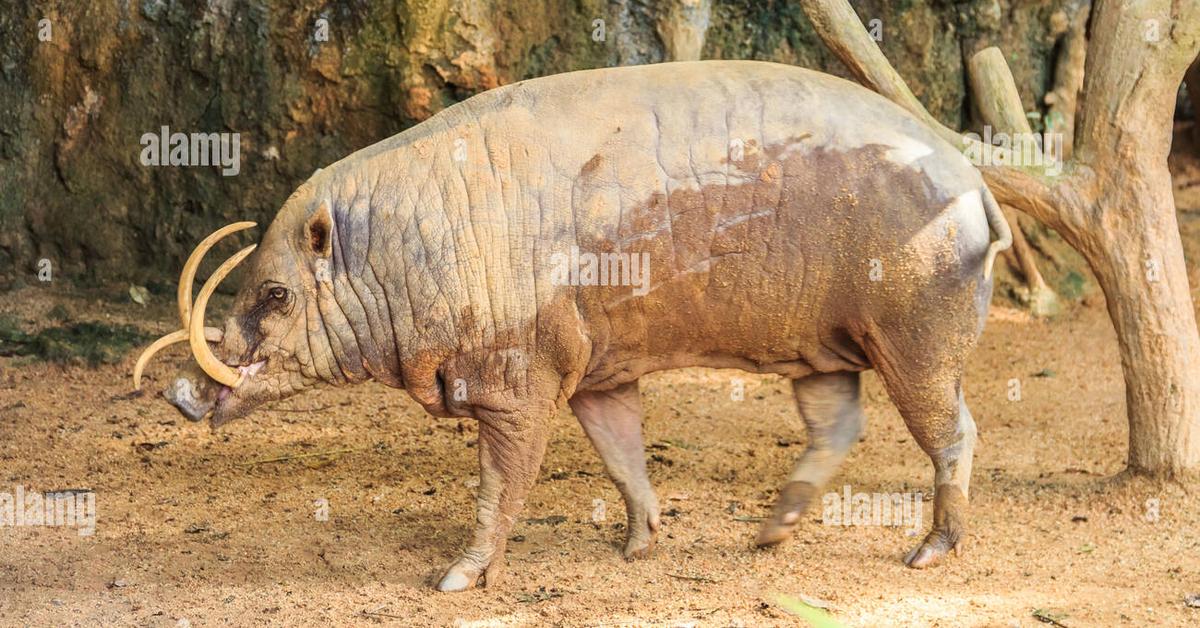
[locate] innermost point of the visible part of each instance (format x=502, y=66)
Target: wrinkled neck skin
x=321, y=336
x=349, y=321
x=350, y=313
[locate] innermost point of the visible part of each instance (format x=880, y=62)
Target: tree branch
x=1035, y=196
x=1000, y=106
x=840, y=28
x=996, y=94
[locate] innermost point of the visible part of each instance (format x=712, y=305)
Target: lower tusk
x=211, y=334
x=183, y=294
x=204, y=356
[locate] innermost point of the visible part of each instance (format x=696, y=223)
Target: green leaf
x=815, y=617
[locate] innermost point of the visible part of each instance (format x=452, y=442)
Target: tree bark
x=1135, y=63
x=1138, y=261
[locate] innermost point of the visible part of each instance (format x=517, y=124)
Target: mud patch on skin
x=774, y=274
x=591, y=166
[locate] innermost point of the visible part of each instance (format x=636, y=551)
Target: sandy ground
x=374, y=498
x=191, y=528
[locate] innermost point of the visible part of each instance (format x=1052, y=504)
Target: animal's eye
x=278, y=293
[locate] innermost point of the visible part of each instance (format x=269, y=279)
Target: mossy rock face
x=88, y=343
x=73, y=108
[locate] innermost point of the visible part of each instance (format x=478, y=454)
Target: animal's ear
x=318, y=232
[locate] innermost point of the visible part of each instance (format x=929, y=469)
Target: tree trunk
x=1138, y=262
x=1130, y=236
x=1120, y=215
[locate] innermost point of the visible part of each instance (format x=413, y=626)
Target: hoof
x=641, y=544
x=466, y=574
x=637, y=549
x=949, y=522
x=772, y=534
x=456, y=581
x=793, y=501
x=930, y=552
x=638, y=553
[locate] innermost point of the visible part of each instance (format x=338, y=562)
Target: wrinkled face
x=265, y=336
x=264, y=350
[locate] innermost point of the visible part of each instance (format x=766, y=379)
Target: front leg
x=612, y=420
x=511, y=446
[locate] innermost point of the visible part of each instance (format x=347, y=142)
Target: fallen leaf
x=1050, y=616
x=815, y=617
x=139, y=294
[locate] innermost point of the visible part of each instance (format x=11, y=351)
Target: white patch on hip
x=967, y=212
x=960, y=228
x=906, y=151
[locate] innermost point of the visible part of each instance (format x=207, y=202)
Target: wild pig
x=783, y=221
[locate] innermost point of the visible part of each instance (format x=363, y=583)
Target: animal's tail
x=995, y=219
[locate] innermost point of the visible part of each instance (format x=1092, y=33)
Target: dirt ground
x=190, y=528
x=196, y=528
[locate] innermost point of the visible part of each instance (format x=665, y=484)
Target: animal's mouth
x=228, y=391
x=230, y=405
x=244, y=374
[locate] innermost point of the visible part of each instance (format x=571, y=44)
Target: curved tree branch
x=999, y=104
x=1027, y=189
x=839, y=27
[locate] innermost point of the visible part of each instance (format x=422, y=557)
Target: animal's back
x=783, y=212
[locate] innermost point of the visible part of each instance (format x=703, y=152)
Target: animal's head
x=274, y=343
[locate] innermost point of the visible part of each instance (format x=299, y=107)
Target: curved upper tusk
x=204, y=356
x=183, y=294
x=211, y=334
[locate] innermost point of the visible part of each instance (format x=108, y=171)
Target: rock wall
x=305, y=83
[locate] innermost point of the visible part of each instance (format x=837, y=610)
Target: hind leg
x=833, y=416
x=937, y=417
x=612, y=419
x=950, y=443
